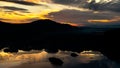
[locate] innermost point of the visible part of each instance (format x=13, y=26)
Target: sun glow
x=16, y=17
x=35, y=13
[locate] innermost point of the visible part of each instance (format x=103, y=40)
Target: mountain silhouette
x=51, y=36
x=37, y=32
x=36, y=26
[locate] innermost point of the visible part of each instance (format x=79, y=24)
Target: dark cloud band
x=21, y=2
x=105, y=6
x=114, y=5
x=13, y=8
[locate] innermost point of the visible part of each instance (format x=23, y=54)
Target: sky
x=76, y=12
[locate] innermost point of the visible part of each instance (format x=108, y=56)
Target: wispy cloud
x=76, y=12
x=21, y=2
x=11, y=8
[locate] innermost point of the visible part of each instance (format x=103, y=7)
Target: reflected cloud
x=39, y=59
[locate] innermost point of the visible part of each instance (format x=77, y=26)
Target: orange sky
x=37, y=12
x=81, y=17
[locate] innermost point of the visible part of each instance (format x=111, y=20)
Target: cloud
x=74, y=12
x=39, y=59
x=11, y=8
x=85, y=18
x=21, y=2
x=105, y=20
x=102, y=5
x=109, y=6
x=33, y=12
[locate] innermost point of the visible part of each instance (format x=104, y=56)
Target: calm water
x=39, y=59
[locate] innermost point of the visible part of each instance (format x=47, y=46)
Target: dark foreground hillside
x=51, y=36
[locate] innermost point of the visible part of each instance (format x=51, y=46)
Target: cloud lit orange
x=35, y=13
x=18, y=13
x=104, y=20
x=38, y=1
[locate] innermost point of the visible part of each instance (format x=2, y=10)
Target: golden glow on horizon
x=104, y=20
x=70, y=23
x=73, y=24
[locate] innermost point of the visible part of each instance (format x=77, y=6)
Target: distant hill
x=35, y=33
x=36, y=26
x=52, y=36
